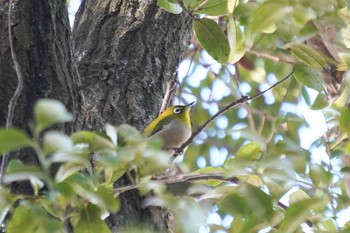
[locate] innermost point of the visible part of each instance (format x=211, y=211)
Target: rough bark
x=126, y=52
x=42, y=42
x=43, y=45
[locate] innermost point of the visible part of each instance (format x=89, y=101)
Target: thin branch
x=181, y=85
x=242, y=100
x=181, y=179
x=236, y=77
x=13, y=100
x=170, y=89
x=288, y=60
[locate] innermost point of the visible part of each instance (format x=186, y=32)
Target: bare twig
x=181, y=179
x=242, y=100
x=170, y=89
x=181, y=85
x=13, y=100
x=288, y=60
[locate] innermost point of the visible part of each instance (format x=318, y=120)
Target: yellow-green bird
x=173, y=126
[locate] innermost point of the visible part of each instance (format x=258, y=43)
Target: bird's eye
x=177, y=110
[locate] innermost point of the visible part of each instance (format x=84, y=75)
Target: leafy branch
x=181, y=178
x=242, y=100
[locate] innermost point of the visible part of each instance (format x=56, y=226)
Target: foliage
x=292, y=143
x=79, y=193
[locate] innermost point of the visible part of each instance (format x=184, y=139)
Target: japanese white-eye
x=173, y=126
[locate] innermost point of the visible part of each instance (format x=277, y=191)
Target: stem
x=13, y=100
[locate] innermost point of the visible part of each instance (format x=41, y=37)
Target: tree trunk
x=125, y=52
x=43, y=45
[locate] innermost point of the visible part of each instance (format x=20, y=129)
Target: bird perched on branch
x=173, y=126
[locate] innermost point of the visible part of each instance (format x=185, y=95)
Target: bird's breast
x=174, y=134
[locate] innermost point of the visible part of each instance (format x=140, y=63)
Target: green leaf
x=344, y=121
x=22, y=219
x=297, y=213
x=236, y=40
x=18, y=172
x=298, y=195
x=249, y=134
x=190, y=214
x=48, y=112
x=95, y=141
x=12, y=139
x=189, y=3
x=6, y=202
x=109, y=199
x=307, y=55
x=235, y=203
x=66, y=170
x=128, y=135
x=250, y=200
x=57, y=141
x=320, y=102
x=90, y=221
x=344, y=97
x=260, y=202
x=250, y=151
x=309, y=76
x=29, y=218
x=328, y=225
x=215, y=8
x=170, y=6
x=268, y=14
x=231, y=4
x=212, y=39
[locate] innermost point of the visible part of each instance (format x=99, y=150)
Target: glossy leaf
x=23, y=219
x=29, y=219
x=297, y=213
x=235, y=203
x=13, y=139
x=215, y=8
x=344, y=97
x=212, y=39
x=307, y=55
x=250, y=151
x=94, y=140
x=236, y=40
x=57, y=141
x=48, y=112
x=260, y=202
x=309, y=76
x=90, y=221
x=6, y=201
x=189, y=3
x=344, y=121
x=268, y=14
x=19, y=172
x=320, y=102
x=171, y=6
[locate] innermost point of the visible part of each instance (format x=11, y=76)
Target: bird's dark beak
x=191, y=106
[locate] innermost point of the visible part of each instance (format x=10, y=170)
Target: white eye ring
x=177, y=110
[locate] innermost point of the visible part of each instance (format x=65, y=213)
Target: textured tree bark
x=43, y=45
x=126, y=53
x=42, y=42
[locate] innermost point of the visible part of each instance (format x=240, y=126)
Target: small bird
x=173, y=126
